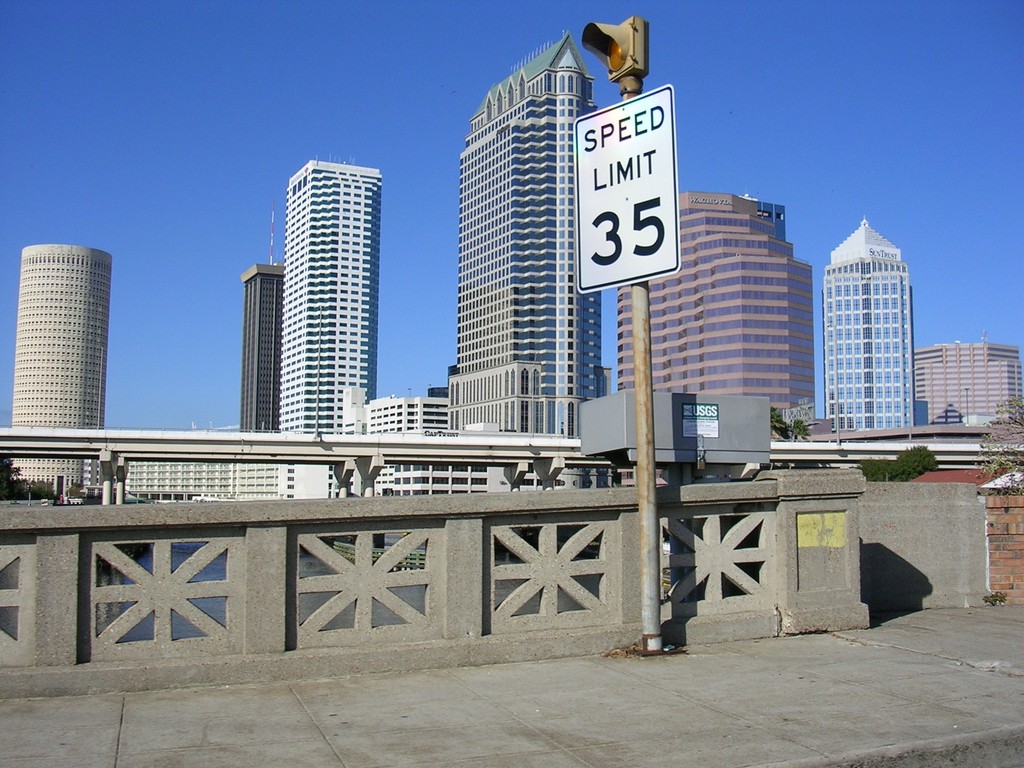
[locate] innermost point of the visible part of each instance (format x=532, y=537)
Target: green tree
x=878, y=470
x=40, y=489
x=1002, y=451
x=799, y=429
x=780, y=429
x=11, y=484
x=912, y=463
x=917, y=461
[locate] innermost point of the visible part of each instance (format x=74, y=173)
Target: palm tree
x=799, y=429
x=780, y=429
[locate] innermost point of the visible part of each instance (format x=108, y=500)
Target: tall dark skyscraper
x=263, y=291
x=737, y=319
x=529, y=345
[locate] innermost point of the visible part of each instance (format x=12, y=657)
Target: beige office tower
x=60, y=356
x=737, y=319
x=966, y=383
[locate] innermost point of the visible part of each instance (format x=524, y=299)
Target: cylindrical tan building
x=60, y=357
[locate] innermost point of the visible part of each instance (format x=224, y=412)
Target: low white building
x=428, y=415
x=211, y=481
x=408, y=414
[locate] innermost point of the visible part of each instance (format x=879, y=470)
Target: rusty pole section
x=647, y=502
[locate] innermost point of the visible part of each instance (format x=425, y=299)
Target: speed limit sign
x=627, y=198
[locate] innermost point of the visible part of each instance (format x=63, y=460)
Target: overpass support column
x=107, y=459
x=367, y=469
x=120, y=475
x=343, y=472
x=548, y=469
x=515, y=474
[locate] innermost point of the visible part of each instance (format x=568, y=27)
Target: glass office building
x=868, y=335
x=529, y=346
x=331, y=293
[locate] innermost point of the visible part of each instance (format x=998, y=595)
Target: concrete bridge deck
x=937, y=687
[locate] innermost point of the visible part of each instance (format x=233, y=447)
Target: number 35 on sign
x=627, y=192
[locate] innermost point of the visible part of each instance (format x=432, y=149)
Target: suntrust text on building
x=878, y=253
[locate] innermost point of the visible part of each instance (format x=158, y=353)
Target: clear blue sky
x=163, y=132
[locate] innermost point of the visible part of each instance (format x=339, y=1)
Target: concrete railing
x=159, y=596
x=922, y=546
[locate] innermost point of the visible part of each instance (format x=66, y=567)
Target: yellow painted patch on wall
x=821, y=529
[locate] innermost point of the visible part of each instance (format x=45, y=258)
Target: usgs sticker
x=700, y=419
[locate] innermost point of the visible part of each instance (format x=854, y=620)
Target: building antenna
x=271, y=231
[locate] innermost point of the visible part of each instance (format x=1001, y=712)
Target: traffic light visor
x=622, y=48
x=598, y=39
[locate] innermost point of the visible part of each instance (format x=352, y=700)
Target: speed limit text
x=636, y=165
x=624, y=129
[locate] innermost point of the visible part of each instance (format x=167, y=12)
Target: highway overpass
x=546, y=455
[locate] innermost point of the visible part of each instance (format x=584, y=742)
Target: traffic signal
x=620, y=47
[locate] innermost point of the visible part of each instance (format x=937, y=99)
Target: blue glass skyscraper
x=869, y=335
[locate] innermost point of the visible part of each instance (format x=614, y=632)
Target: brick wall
x=1006, y=546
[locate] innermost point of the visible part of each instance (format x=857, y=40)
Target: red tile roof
x=974, y=476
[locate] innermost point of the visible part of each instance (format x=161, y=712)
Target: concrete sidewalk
x=936, y=687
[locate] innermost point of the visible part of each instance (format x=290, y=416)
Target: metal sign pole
x=646, y=480
x=623, y=49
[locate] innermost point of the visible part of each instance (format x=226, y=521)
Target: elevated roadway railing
x=294, y=448
x=366, y=455
x=362, y=455
x=953, y=454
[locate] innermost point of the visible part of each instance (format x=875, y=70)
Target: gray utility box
x=699, y=430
